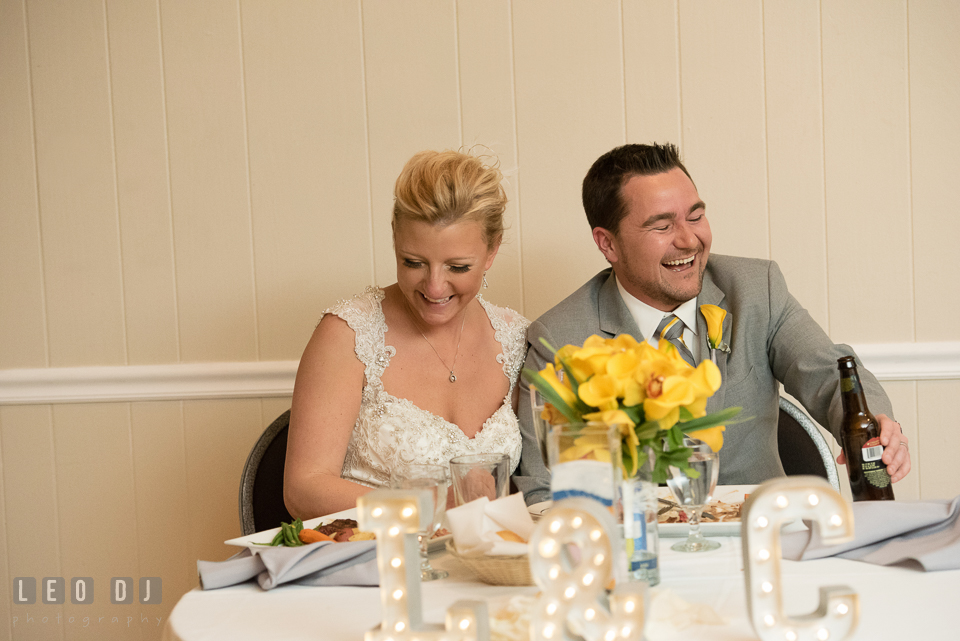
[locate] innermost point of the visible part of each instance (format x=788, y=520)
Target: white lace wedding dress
x=392, y=431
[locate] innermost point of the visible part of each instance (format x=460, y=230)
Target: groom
x=650, y=224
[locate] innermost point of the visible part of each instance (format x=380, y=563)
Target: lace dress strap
x=364, y=315
x=510, y=330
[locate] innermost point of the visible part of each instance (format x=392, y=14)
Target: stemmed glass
x=434, y=479
x=694, y=493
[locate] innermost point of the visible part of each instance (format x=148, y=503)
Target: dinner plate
x=725, y=493
x=258, y=539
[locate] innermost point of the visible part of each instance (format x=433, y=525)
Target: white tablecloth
x=895, y=603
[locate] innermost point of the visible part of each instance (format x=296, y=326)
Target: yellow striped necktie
x=671, y=329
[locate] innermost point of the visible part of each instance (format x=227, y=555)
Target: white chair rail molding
x=271, y=379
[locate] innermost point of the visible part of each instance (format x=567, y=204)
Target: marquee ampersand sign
x=396, y=516
x=771, y=505
x=573, y=551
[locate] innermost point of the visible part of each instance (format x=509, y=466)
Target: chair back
x=261, y=485
x=802, y=448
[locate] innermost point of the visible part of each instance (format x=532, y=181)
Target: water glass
x=478, y=475
x=434, y=479
x=693, y=494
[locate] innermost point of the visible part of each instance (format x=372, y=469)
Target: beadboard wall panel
x=158, y=455
x=30, y=497
x=309, y=181
x=207, y=138
x=934, y=165
x=937, y=442
x=218, y=436
x=903, y=396
x=143, y=182
x=723, y=117
x=96, y=497
x=569, y=76
x=76, y=173
x=484, y=38
x=23, y=340
x=867, y=162
x=651, y=71
x=794, y=131
x=413, y=100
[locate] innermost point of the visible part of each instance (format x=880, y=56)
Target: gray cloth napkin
x=912, y=533
x=348, y=563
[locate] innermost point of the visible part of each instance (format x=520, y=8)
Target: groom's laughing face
x=661, y=248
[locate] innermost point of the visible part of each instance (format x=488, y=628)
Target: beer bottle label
x=849, y=384
x=874, y=469
x=872, y=450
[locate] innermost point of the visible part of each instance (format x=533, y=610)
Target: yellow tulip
x=600, y=392
x=714, y=316
x=565, y=354
x=712, y=436
x=553, y=416
x=612, y=417
x=623, y=342
x=705, y=380
x=593, y=447
x=549, y=374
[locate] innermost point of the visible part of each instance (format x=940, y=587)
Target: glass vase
x=586, y=461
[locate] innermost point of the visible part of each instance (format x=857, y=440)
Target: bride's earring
x=485, y=285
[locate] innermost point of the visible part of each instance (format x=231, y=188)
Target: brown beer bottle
x=860, y=433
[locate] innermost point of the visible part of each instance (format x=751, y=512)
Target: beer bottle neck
x=852, y=393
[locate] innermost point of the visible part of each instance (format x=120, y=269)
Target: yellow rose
x=712, y=436
x=714, y=316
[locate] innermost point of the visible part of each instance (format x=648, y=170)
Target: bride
x=418, y=372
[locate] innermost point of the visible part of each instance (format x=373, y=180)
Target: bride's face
x=440, y=268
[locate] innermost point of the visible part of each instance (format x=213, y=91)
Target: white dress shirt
x=648, y=319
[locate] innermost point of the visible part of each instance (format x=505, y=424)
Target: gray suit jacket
x=772, y=340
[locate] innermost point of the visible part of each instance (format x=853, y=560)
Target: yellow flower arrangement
x=652, y=395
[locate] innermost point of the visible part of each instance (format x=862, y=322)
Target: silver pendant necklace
x=453, y=377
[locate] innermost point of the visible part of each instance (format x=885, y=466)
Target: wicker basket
x=497, y=570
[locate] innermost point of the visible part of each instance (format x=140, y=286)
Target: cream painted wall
x=195, y=181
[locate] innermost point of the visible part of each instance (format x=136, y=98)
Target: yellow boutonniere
x=714, y=316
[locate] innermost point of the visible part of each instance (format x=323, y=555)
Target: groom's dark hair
x=602, y=197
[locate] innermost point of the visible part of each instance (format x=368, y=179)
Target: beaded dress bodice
x=392, y=431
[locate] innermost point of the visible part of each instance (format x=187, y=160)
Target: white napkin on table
x=924, y=534
x=474, y=526
x=325, y=563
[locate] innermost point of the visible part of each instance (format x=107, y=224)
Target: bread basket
x=496, y=570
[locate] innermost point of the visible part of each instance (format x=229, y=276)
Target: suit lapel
x=710, y=294
x=615, y=318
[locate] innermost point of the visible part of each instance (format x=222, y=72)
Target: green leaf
x=685, y=414
x=544, y=342
x=635, y=413
x=647, y=431
x=534, y=379
x=574, y=383
x=712, y=420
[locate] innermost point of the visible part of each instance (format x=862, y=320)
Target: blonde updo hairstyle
x=447, y=187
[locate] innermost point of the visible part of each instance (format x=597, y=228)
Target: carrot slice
x=312, y=536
